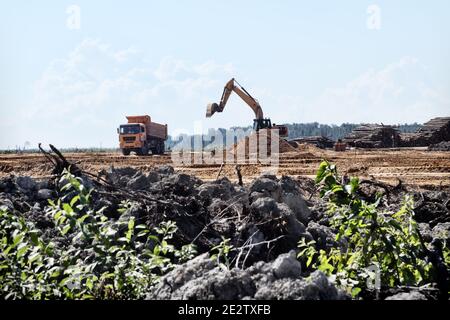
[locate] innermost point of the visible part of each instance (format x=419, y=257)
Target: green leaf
x=355, y=291
x=22, y=249
x=321, y=172
x=65, y=229
x=131, y=224
x=17, y=239
x=74, y=200
x=67, y=208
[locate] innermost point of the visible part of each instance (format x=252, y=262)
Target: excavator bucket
x=211, y=109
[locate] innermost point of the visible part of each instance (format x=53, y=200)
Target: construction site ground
x=413, y=166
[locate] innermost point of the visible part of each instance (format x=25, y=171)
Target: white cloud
x=89, y=92
x=81, y=98
x=400, y=92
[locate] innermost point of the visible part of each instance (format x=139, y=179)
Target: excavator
x=259, y=122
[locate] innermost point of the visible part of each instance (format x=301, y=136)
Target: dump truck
x=141, y=135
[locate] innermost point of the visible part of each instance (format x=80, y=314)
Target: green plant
x=93, y=257
x=377, y=242
x=220, y=254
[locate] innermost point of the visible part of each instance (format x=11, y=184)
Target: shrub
x=95, y=257
x=384, y=247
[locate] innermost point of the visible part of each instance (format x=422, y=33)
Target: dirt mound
x=261, y=140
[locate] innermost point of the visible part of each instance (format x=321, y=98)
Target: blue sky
x=304, y=60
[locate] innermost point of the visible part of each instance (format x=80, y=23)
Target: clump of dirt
x=201, y=279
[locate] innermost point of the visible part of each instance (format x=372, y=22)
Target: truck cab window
x=130, y=129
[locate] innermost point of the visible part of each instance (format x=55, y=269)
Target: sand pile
x=261, y=141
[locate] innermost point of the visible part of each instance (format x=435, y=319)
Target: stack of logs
x=432, y=132
x=373, y=136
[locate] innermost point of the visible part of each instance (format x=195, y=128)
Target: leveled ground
x=416, y=167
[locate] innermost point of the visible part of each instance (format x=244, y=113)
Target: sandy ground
x=416, y=167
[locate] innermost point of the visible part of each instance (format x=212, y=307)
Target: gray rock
x=125, y=171
x=324, y=236
x=172, y=284
x=266, y=186
x=165, y=170
x=325, y=288
x=287, y=266
x=284, y=191
x=180, y=183
x=44, y=194
x=292, y=197
x=6, y=204
x=269, y=208
x=138, y=182
x=87, y=183
x=295, y=228
x=442, y=231
x=214, y=190
x=413, y=295
x=42, y=184
x=25, y=183
x=265, y=207
x=425, y=231
x=298, y=205
x=200, y=278
x=153, y=176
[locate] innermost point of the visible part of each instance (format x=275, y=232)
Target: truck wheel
x=143, y=151
x=125, y=152
x=161, y=148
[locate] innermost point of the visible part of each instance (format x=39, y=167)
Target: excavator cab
x=261, y=124
x=267, y=124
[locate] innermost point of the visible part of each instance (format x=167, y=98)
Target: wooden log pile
x=319, y=141
x=373, y=136
x=432, y=132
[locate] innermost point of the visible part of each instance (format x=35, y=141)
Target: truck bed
x=154, y=130
x=157, y=130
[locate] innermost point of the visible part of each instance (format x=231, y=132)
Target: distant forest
x=298, y=130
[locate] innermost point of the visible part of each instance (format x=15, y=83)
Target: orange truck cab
x=141, y=135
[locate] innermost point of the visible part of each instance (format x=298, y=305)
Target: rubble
x=138, y=182
x=45, y=194
x=25, y=183
x=264, y=220
x=202, y=279
x=414, y=295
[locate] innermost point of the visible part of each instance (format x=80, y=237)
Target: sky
x=70, y=71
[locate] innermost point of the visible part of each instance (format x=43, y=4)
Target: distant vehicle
x=141, y=135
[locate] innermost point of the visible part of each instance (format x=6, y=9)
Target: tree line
x=296, y=130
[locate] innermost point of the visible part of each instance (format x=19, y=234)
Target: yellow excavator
x=259, y=122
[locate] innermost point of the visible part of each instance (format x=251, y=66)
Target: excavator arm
x=259, y=122
x=231, y=86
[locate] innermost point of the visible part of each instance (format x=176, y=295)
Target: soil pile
x=261, y=140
